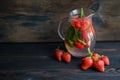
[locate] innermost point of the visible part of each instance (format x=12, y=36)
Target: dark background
x=37, y=20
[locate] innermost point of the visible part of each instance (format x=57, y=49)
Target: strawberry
x=75, y=16
x=87, y=46
x=58, y=54
x=106, y=60
x=87, y=62
x=99, y=65
x=87, y=23
x=76, y=23
x=73, y=22
x=85, y=36
x=79, y=45
x=95, y=56
x=67, y=57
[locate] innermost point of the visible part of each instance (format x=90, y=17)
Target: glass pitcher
x=78, y=33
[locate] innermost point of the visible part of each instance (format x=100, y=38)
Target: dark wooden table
x=36, y=61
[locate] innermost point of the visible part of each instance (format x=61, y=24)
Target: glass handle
x=62, y=28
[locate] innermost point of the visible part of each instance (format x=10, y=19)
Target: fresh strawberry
x=99, y=65
x=106, y=60
x=67, y=57
x=79, y=45
x=58, y=54
x=95, y=56
x=87, y=62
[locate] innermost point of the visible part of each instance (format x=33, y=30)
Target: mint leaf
x=70, y=43
x=76, y=35
x=70, y=33
x=69, y=36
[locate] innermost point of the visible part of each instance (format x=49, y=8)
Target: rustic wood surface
x=37, y=20
x=36, y=61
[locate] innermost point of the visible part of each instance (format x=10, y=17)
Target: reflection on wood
x=37, y=21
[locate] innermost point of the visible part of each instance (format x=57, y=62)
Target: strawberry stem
x=82, y=13
x=101, y=56
x=89, y=52
x=82, y=42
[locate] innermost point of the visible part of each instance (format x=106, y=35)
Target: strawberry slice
x=85, y=36
x=76, y=23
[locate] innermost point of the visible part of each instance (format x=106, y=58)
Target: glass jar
x=78, y=34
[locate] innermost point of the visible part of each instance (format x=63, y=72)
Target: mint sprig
x=69, y=36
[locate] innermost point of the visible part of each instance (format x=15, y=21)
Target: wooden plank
x=36, y=61
x=37, y=21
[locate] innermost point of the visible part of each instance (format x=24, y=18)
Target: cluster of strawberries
x=81, y=23
x=96, y=61
x=78, y=36
x=61, y=55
